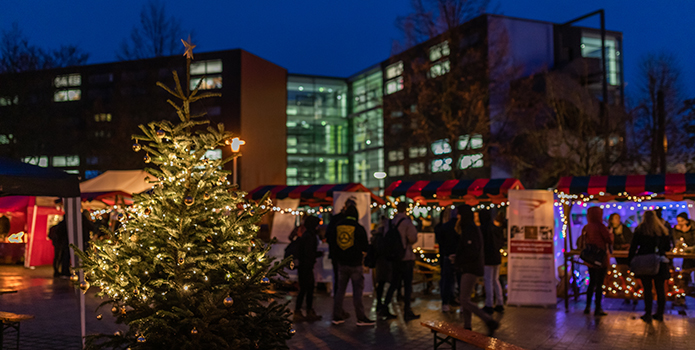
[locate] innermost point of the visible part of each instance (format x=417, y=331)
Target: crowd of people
x=469, y=241
x=652, y=239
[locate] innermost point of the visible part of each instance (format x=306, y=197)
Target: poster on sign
x=531, y=278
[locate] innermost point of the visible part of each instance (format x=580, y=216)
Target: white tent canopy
x=116, y=182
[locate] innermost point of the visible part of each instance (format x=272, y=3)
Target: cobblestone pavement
x=54, y=302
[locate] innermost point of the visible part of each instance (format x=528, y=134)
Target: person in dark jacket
x=383, y=267
x=351, y=247
x=469, y=260
x=448, y=239
x=61, y=249
x=622, y=235
x=308, y=252
x=650, y=237
x=595, y=233
x=493, y=241
x=331, y=239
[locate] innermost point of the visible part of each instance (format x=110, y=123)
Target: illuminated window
x=102, y=117
x=417, y=152
x=5, y=139
x=8, y=101
x=36, y=160
x=213, y=154
x=67, y=80
x=440, y=69
x=394, y=78
x=416, y=168
x=396, y=155
x=208, y=82
x=292, y=172
x=65, y=161
x=471, y=161
x=396, y=170
x=67, y=95
x=467, y=142
x=438, y=51
x=206, y=67
x=441, y=147
x=441, y=165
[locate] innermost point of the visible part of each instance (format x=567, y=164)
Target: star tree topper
x=189, y=47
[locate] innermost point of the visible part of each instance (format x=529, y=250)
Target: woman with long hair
x=469, y=260
x=652, y=237
x=595, y=233
x=493, y=241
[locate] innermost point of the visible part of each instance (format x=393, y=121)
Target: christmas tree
x=185, y=269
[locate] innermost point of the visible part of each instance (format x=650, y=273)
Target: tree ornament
x=147, y=158
x=160, y=133
x=188, y=200
x=117, y=333
x=208, y=239
x=221, y=180
x=84, y=285
x=181, y=260
x=265, y=280
x=269, y=202
x=147, y=211
x=240, y=206
x=133, y=238
x=74, y=277
x=162, y=178
x=206, y=196
x=114, y=309
x=194, y=331
x=136, y=146
x=292, y=331
x=228, y=301
x=123, y=310
x=99, y=317
x=291, y=265
x=120, y=216
x=252, y=211
x=235, y=195
x=116, y=268
x=141, y=339
x=205, y=161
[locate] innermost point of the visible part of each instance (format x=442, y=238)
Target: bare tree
x=657, y=136
x=18, y=55
x=457, y=90
x=158, y=35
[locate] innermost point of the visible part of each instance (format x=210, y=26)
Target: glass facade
x=367, y=125
x=318, y=139
x=591, y=47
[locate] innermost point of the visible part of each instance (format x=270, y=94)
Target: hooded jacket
x=596, y=233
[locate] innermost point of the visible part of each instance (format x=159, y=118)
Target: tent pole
x=28, y=252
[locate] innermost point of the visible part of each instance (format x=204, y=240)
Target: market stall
x=26, y=239
x=629, y=197
x=115, y=186
x=431, y=198
x=20, y=179
x=290, y=203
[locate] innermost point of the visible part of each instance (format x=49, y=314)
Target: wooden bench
x=453, y=332
x=10, y=320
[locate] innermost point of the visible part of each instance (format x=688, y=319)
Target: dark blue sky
x=335, y=38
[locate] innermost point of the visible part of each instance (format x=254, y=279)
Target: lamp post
x=235, y=146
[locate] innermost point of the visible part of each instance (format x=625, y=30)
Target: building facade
x=303, y=129
x=81, y=119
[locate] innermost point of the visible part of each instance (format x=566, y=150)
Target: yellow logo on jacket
x=346, y=236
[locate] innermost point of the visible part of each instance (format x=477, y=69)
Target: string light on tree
x=181, y=252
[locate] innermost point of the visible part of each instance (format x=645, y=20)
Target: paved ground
x=54, y=303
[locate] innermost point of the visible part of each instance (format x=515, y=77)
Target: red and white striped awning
x=470, y=191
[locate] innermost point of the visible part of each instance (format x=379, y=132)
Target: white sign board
x=531, y=278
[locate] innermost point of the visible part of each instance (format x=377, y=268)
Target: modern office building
x=81, y=118
x=300, y=129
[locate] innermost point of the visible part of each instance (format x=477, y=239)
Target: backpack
x=392, y=248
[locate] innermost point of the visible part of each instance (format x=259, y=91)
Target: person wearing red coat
x=596, y=233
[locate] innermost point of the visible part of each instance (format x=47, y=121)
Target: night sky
x=335, y=38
